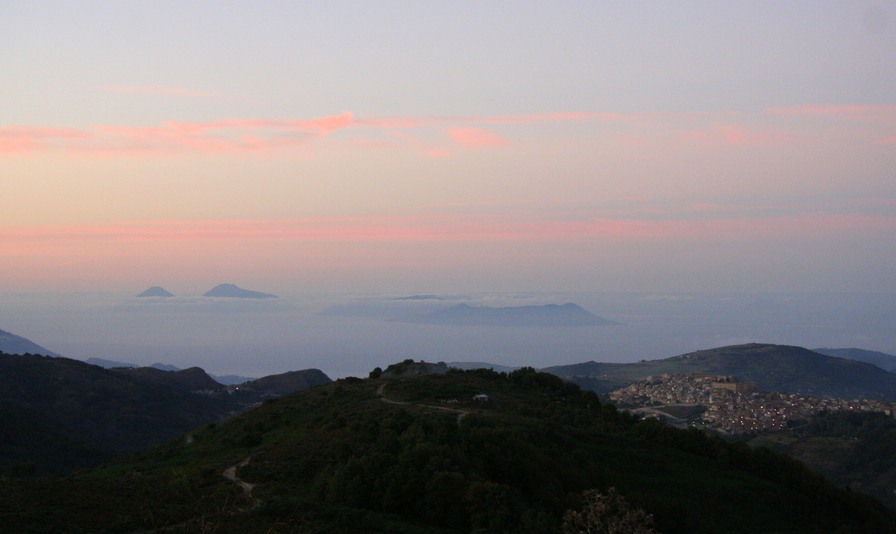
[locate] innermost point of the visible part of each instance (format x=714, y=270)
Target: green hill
x=773, y=367
x=456, y=452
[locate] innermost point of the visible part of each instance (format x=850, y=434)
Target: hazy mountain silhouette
x=13, y=344
x=108, y=364
x=156, y=291
x=546, y=315
x=221, y=379
x=883, y=360
x=232, y=291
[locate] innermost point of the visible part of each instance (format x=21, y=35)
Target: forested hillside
x=458, y=452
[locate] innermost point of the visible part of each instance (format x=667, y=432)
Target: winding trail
x=230, y=474
x=460, y=413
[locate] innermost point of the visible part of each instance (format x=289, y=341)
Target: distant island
x=232, y=291
x=547, y=315
x=156, y=291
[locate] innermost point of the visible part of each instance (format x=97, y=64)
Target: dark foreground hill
x=58, y=414
x=773, y=367
x=418, y=454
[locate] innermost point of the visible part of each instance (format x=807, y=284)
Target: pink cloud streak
x=234, y=135
x=15, y=139
x=735, y=135
x=436, y=228
x=477, y=137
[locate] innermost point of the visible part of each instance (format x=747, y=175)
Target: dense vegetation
x=419, y=454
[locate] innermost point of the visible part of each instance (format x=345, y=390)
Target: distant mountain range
x=525, y=316
x=880, y=359
x=232, y=291
x=61, y=414
x=13, y=344
x=779, y=368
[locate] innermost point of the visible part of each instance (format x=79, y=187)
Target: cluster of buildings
x=730, y=405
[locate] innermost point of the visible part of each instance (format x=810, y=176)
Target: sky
x=448, y=146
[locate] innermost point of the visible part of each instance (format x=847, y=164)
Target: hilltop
x=780, y=368
x=192, y=379
x=449, y=453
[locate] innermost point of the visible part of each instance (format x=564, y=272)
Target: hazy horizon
x=349, y=334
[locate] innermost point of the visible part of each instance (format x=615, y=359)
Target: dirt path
x=460, y=413
x=230, y=474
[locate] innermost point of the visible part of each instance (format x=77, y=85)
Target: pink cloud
x=15, y=139
x=477, y=137
x=887, y=141
x=318, y=126
x=639, y=131
x=432, y=228
x=735, y=135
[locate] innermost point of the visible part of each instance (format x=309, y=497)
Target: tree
x=607, y=513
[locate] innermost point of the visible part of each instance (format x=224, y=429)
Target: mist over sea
x=350, y=334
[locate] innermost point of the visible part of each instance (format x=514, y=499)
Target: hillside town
x=728, y=405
